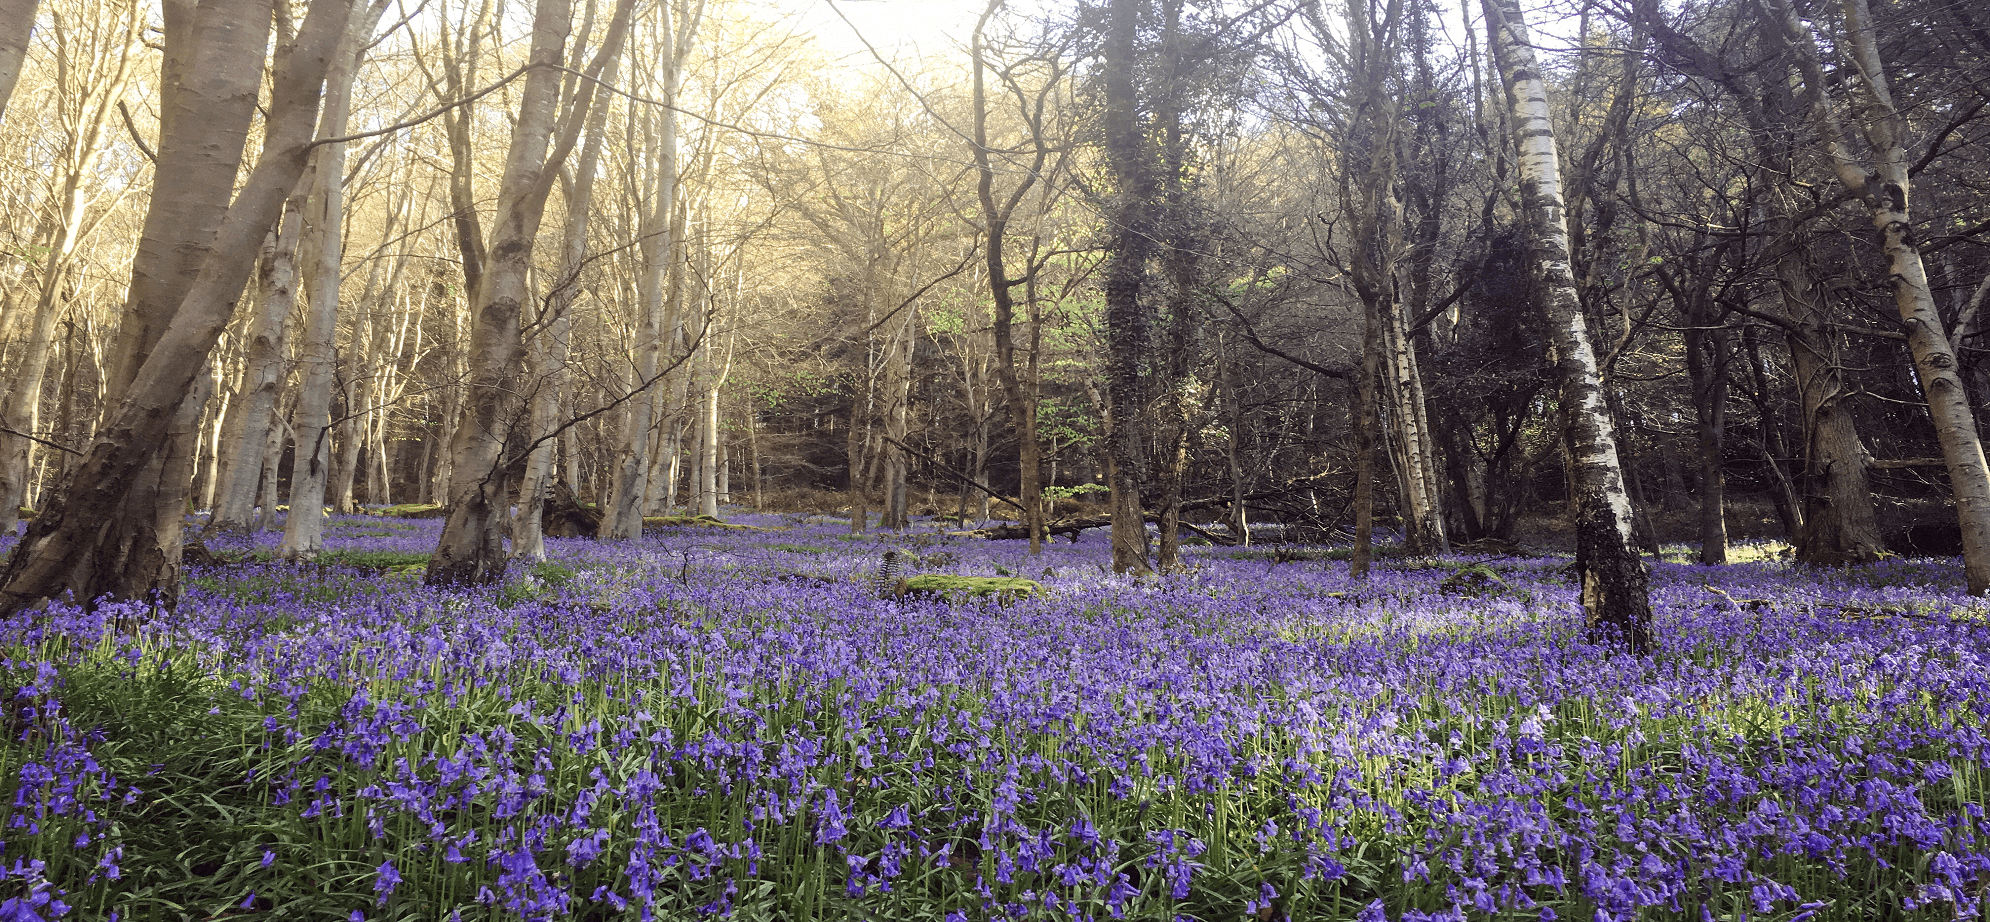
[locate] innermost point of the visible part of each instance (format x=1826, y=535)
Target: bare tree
x=106, y=533
x=471, y=548
x=98, y=62
x=1615, y=585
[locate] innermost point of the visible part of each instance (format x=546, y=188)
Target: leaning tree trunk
x=1884, y=187
x=17, y=20
x=100, y=536
x=1616, y=597
x=471, y=548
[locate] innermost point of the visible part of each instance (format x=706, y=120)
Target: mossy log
x=693, y=521
x=414, y=511
x=1003, y=589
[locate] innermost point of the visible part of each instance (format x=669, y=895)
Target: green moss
x=1478, y=581
x=798, y=548
x=963, y=588
x=691, y=521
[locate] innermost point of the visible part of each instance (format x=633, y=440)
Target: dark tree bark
x=1132, y=225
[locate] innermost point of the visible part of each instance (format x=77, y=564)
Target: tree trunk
x=17, y=22
x=471, y=548
x=897, y=400
x=1615, y=585
x=263, y=375
x=1133, y=224
x=101, y=535
x=1706, y=371
x=272, y=471
x=996, y=215
x=1884, y=187
x=1367, y=425
x=551, y=347
x=708, y=441
x=304, y=530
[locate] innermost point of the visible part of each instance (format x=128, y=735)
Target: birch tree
x=1882, y=182
x=1615, y=585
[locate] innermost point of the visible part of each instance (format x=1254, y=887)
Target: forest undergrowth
x=729, y=724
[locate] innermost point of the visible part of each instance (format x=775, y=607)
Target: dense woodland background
x=761, y=271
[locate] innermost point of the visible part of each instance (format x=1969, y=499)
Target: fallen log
x=1071, y=528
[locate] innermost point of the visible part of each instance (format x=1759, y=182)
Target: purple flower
x=388, y=877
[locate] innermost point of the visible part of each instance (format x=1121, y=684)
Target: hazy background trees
x=1219, y=263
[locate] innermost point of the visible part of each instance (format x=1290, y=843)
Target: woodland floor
x=729, y=723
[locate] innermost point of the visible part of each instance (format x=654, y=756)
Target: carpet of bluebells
x=728, y=724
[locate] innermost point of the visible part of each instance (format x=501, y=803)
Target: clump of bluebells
x=728, y=725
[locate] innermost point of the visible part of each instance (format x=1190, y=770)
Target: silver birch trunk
x=1884, y=186
x=1616, y=597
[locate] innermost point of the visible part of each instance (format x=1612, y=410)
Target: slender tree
x=1883, y=184
x=1615, y=585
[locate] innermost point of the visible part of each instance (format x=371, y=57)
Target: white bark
x=1615, y=584
x=1885, y=188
